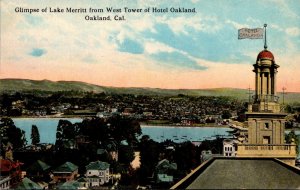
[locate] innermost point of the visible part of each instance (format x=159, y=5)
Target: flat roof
x=242, y=173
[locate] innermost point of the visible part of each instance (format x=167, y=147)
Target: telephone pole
x=249, y=93
x=283, y=93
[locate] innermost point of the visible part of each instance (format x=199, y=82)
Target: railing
x=265, y=98
x=268, y=150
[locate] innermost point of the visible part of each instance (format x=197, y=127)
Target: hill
x=19, y=85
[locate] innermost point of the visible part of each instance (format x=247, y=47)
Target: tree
x=185, y=157
x=149, y=152
x=122, y=128
x=6, y=103
x=65, y=131
x=10, y=133
x=226, y=114
x=95, y=128
x=292, y=137
x=35, y=135
x=126, y=154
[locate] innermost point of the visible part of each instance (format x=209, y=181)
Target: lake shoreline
x=142, y=124
x=210, y=125
x=152, y=123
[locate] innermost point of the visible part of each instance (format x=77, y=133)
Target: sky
x=158, y=50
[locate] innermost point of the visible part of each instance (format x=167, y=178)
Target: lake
x=47, y=129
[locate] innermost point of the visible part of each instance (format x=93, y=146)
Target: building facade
x=97, y=173
x=229, y=147
x=266, y=120
x=10, y=173
x=65, y=172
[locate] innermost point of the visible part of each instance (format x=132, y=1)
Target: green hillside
x=17, y=85
x=46, y=85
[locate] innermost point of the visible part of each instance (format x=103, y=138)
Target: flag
x=255, y=33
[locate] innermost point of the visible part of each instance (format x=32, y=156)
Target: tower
x=265, y=120
x=265, y=69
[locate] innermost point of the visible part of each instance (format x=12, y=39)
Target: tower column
x=264, y=83
x=274, y=87
x=269, y=84
x=256, y=84
x=259, y=84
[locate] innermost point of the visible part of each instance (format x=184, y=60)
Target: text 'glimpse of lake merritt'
x=47, y=129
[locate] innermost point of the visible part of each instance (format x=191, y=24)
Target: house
x=164, y=171
x=4, y=182
x=97, y=173
x=65, y=172
x=128, y=111
x=38, y=169
x=104, y=115
x=229, y=147
x=26, y=183
x=70, y=185
x=83, y=183
x=205, y=155
x=81, y=141
x=69, y=143
x=10, y=173
x=102, y=154
x=112, y=150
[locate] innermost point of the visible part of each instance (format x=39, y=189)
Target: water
x=47, y=129
x=180, y=134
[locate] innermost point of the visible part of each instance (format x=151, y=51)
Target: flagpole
x=265, y=46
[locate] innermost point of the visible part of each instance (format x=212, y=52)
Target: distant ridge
x=19, y=85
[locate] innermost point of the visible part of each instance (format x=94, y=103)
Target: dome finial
x=265, y=46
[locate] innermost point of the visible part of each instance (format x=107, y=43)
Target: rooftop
x=26, y=183
x=66, y=167
x=69, y=185
x=242, y=173
x=265, y=54
x=7, y=165
x=98, y=165
x=38, y=166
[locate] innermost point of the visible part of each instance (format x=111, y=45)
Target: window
x=266, y=140
x=267, y=126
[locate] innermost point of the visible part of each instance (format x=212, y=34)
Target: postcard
x=149, y=93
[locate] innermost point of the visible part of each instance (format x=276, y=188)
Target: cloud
x=285, y=9
x=236, y=25
x=37, y=52
x=89, y=59
x=293, y=31
x=254, y=22
x=131, y=46
x=34, y=20
x=152, y=47
x=184, y=24
x=176, y=60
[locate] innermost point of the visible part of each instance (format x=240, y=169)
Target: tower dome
x=265, y=54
